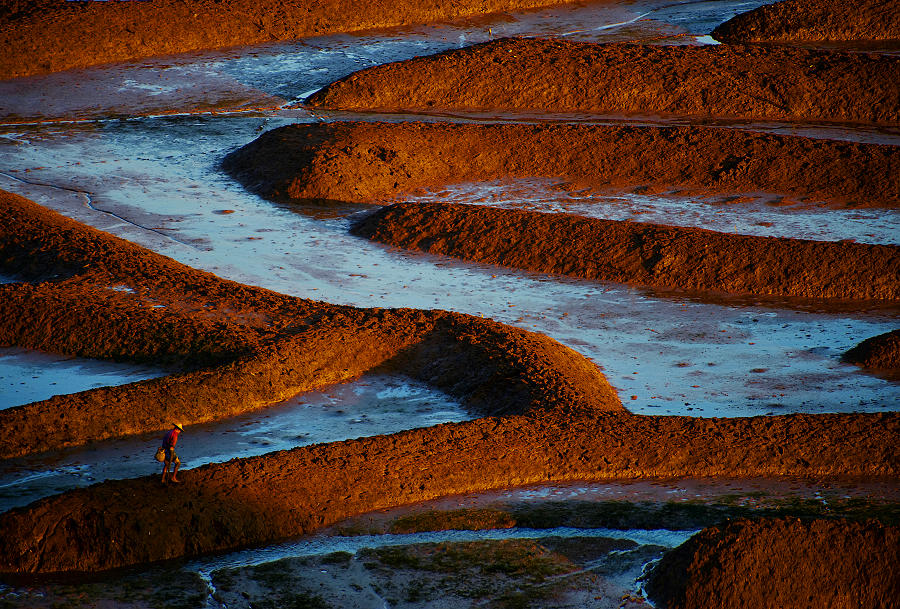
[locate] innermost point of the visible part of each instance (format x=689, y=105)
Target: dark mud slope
x=782, y=563
x=882, y=351
x=372, y=162
x=648, y=254
x=50, y=35
x=808, y=20
x=534, y=75
x=240, y=347
x=257, y=500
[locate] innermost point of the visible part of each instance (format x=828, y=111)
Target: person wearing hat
x=168, y=444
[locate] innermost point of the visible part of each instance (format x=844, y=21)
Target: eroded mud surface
x=159, y=211
x=648, y=254
x=782, y=562
x=558, y=76
x=882, y=351
x=368, y=162
x=79, y=34
x=814, y=20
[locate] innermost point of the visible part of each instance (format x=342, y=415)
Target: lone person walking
x=168, y=443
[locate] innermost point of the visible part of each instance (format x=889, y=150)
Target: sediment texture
x=882, y=351
x=646, y=254
x=240, y=347
x=722, y=81
x=262, y=499
x=42, y=36
x=808, y=20
x=782, y=563
x=373, y=162
x=560, y=418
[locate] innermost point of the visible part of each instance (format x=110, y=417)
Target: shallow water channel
x=134, y=149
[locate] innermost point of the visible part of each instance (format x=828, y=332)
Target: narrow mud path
x=262, y=499
x=558, y=76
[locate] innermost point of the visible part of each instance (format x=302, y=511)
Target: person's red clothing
x=171, y=438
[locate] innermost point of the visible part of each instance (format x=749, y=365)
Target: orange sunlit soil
x=42, y=36
x=547, y=414
x=634, y=252
x=368, y=162
x=559, y=419
x=535, y=75
x=781, y=563
x=806, y=20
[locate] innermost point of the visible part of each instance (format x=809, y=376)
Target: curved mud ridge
x=882, y=351
x=241, y=347
x=253, y=501
x=814, y=20
x=373, y=162
x=535, y=75
x=692, y=259
x=782, y=563
x=41, y=36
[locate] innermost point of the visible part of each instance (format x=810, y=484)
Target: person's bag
x=160, y=454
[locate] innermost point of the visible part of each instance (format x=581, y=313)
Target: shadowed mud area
x=649, y=254
x=81, y=34
x=559, y=76
x=814, y=20
x=882, y=351
x=782, y=563
x=572, y=545
x=367, y=162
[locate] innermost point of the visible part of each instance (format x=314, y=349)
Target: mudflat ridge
x=646, y=254
x=814, y=20
x=882, y=351
x=238, y=347
x=253, y=501
x=373, y=162
x=37, y=37
x=721, y=81
x=782, y=563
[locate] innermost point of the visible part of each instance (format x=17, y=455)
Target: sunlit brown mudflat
x=814, y=20
x=559, y=76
